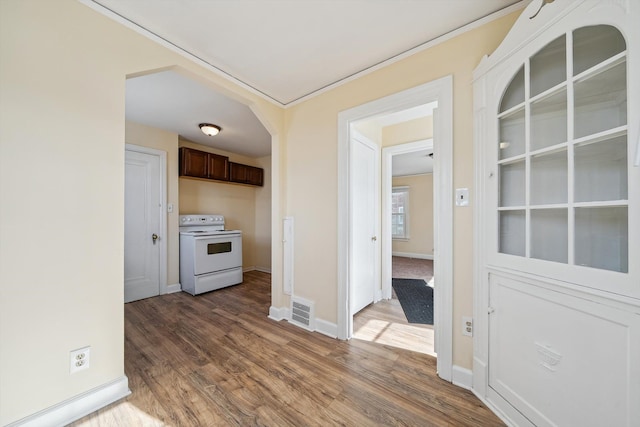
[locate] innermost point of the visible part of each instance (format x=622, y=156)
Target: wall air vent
x=302, y=313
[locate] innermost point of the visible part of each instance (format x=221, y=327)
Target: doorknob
x=154, y=237
x=374, y=238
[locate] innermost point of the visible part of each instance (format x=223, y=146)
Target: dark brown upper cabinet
x=200, y=164
x=245, y=174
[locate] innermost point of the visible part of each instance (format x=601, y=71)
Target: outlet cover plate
x=79, y=359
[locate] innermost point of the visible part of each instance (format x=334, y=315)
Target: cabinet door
x=218, y=167
x=238, y=172
x=245, y=174
x=255, y=176
x=562, y=160
x=194, y=163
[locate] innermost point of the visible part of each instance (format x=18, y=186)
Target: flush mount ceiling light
x=209, y=129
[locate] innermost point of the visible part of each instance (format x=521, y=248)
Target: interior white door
x=142, y=222
x=364, y=190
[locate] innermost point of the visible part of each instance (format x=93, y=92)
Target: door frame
x=387, y=187
x=440, y=90
x=162, y=242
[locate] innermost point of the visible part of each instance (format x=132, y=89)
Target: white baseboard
x=500, y=414
x=172, y=289
x=412, y=255
x=263, y=269
x=77, y=407
x=462, y=377
x=279, y=313
x=248, y=268
x=326, y=328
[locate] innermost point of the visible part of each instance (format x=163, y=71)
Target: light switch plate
x=462, y=197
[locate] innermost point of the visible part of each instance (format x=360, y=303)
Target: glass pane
x=601, y=238
x=512, y=233
x=592, y=45
x=549, y=178
x=514, y=94
x=601, y=101
x=511, y=135
x=549, y=234
x=512, y=188
x=601, y=170
x=549, y=66
x=218, y=248
x=549, y=121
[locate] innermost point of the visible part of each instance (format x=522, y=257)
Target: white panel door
x=365, y=188
x=142, y=221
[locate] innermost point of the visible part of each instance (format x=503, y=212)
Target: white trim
x=279, y=313
x=162, y=241
x=263, y=269
x=79, y=406
x=498, y=412
x=462, y=377
x=217, y=71
x=326, y=328
x=172, y=289
x=412, y=255
x=440, y=90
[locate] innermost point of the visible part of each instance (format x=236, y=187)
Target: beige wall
x=420, y=240
x=150, y=137
x=62, y=191
x=312, y=167
x=412, y=130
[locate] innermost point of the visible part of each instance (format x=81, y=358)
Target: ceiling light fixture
x=209, y=129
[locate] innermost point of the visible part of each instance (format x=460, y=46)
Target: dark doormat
x=416, y=299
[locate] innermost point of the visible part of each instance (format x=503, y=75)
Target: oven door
x=216, y=253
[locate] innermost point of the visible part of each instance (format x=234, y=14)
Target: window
x=400, y=213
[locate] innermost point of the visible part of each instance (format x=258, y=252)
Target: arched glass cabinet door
x=562, y=153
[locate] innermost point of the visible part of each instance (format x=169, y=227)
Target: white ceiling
x=288, y=49
x=284, y=50
x=415, y=163
x=173, y=102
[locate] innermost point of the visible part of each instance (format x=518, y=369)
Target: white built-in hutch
x=557, y=273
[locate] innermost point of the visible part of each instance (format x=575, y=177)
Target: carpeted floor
x=412, y=268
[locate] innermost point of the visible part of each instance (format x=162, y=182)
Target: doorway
x=439, y=91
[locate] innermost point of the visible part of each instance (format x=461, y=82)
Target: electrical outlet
x=467, y=326
x=79, y=359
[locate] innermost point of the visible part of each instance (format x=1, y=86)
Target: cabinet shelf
x=601, y=67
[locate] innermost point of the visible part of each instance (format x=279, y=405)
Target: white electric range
x=210, y=256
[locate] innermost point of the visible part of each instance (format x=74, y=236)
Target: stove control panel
x=195, y=220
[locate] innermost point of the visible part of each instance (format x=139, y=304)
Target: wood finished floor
x=217, y=360
x=385, y=323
